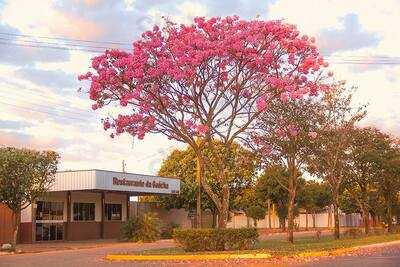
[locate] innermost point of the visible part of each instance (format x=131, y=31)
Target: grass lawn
x=301, y=245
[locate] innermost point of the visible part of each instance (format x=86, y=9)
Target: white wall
x=26, y=214
x=321, y=220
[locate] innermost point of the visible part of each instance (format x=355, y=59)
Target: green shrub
x=168, y=229
x=216, y=239
x=354, y=232
x=130, y=228
x=396, y=229
x=150, y=228
x=378, y=231
x=146, y=228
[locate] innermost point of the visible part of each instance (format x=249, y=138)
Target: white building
x=88, y=204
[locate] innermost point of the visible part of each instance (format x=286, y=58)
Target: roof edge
x=148, y=175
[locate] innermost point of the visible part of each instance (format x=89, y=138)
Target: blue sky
x=41, y=107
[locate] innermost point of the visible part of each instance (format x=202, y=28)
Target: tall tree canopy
x=331, y=153
x=24, y=176
x=211, y=79
x=384, y=161
x=182, y=164
x=285, y=135
x=362, y=175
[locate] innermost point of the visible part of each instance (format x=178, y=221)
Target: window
x=49, y=231
x=49, y=211
x=84, y=211
x=113, y=212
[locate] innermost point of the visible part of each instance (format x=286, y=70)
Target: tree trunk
x=214, y=222
x=269, y=213
x=374, y=220
x=290, y=217
x=365, y=215
x=223, y=212
x=282, y=223
x=389, y=218
x=313, y=219
x=330, y=216
x=292, y=195
x=335, y=195
x=306, y=220
x=199, y=178
x=16, y=221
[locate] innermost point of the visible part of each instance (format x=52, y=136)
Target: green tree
x=253, y=206
x=361, y=182
x=182, y=164
x=386, y=162
x=272, y=185
x=330, y=157
x=285, y=136
x=25, y=175
x=314, y=197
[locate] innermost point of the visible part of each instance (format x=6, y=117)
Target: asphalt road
x=385, y=256
x=79, y=258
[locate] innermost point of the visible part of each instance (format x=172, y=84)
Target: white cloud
x=81, y=140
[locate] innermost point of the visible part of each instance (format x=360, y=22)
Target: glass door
x=49, y=221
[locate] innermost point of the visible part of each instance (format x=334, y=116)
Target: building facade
x=88, y=204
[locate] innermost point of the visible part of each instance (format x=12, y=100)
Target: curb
x=377, y=245
x=224, y=256
x=232, y=256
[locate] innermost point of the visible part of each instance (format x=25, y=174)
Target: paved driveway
x=80, y=257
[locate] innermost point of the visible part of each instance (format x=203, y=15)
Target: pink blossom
x=261, y=103
x=284, y=97
x=313, y=135
x=203, y=55
x=202, y=129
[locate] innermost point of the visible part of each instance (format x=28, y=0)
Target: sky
x=41, y=106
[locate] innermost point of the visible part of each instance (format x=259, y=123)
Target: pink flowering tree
x=331, y=155
x=205, y=81
x=285, y=136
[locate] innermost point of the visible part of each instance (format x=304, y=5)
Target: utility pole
x=123, y=165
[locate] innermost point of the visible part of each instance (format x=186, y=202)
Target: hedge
x=216, y=239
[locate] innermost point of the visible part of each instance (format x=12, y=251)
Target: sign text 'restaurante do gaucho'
x=140, y=183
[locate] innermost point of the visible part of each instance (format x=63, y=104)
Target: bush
x=396, y=229
x=216, y=239
x=378, y=231
x=130, y=228
x=354, y=232
x=146, y=228
x=168, y=229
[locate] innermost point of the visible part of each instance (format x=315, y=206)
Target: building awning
x=114, y=181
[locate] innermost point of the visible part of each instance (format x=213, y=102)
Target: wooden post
x=269, y=213
x=68, y=215
x=33, y=210
x=273, y=212
x=127, y=206
x=102, y=214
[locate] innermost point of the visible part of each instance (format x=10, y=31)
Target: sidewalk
x=76, y=245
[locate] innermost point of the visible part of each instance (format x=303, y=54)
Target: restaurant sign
x=140, y=183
